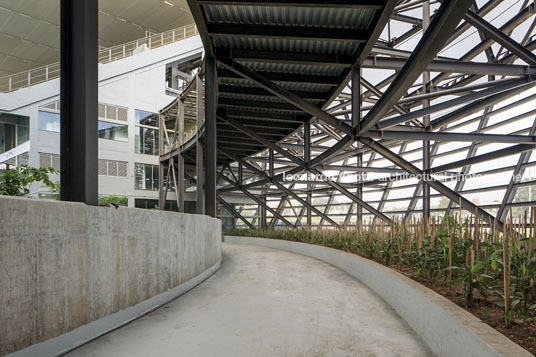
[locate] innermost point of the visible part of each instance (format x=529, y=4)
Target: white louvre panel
x=112, y=168
x=45, y=160
x=103, y=167
x=111, y=112
x=55, y=106
x=23, y=159
x=122, y=114
x=122, y=168
x=49, y=160
x=102, y=110
x=56, y=162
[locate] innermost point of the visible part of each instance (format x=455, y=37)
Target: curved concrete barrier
x=70, y=272
x=446, y=328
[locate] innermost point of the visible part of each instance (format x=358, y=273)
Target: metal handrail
x=49, y=72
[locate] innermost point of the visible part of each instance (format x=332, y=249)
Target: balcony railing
x=52, y=71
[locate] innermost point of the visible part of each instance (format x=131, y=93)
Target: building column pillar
x=356, y=122
x=79, y=98
x=211, y=90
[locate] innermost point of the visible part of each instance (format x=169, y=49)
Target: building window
x=49, y=160
x=146, y=141
x=152, y=204
x=112, y=131
x=146, y=177
x=146, y=118
x=48, y=121
x=14, y=130
x=113, y=168
x=146, y=133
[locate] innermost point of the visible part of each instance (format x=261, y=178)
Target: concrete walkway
x=265, y=302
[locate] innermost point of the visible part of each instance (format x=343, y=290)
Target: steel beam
x=436, y=185
x=79, y=97
x=256, y=199
x=443, y=23
x=477, y=106
x=286, y=95
x=496, y=92
x=305, y=167
x=280, y=186
x=287, y=32
x=512, y=150
x=235, y=212
x=446, y=136
x=454, y=67
x=514, y=180
x=500, y=37
x=368, y=4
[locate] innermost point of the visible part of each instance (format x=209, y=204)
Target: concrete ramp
x=266, y=302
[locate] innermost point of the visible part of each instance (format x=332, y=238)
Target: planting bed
x=488, y=272
x=524, y=334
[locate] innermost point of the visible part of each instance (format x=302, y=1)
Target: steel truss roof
x=310, y=88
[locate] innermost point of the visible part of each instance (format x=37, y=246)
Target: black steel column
x=211, y=95
x=162, y=191
x=180, y=184
x=79, y=97
x=426, y=157
x=307, y=158
x=356, y=121
x=264, y=219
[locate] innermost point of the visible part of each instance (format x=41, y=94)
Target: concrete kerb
x=446, y=328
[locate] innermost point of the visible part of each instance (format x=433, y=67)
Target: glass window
x=146, y=141
x=14, y=130
x=112, y=131
x=146, y=118
x=146, y=177
x=49, y=121
x=143, y=203
x=152, y=204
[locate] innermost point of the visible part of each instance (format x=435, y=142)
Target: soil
x=524, y=334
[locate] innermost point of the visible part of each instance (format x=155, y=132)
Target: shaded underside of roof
x=307, y=48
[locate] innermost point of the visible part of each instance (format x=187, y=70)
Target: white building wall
x=137, y=83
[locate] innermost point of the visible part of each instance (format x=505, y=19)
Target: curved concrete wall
x=445, y=327
x=64, y=265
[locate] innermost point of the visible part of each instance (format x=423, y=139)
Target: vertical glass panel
x=146, y=118
x=146, y=141
x=49, y=121
x=112, y=131
x=14, y=130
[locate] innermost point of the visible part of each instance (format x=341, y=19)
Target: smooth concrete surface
x=447, y=329
x=265, y=302
x=64, y=265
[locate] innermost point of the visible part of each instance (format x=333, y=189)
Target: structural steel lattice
x=430, y=102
